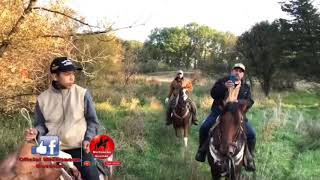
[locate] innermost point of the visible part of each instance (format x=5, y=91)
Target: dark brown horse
x=181, y=115
x=227, y=142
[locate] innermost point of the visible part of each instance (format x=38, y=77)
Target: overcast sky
x=235, y=16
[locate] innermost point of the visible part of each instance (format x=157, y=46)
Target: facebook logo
x=49, y=146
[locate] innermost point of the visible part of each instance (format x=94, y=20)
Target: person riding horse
x=226, y=90
x=175, y=86
x=66, y=110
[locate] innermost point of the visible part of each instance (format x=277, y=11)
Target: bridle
x=174, y=110
x=231, y=163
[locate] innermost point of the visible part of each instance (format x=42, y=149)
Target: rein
x=232, y=168
x=179, y=117
x=25, y=113
x=231, y=160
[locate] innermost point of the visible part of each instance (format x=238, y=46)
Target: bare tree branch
x=108, y=30
x=5, y=43
x=63, y=14
x=18, y=95
x=106, y=40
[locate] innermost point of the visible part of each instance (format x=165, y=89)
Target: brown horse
x=181, y=115
x=227, y=142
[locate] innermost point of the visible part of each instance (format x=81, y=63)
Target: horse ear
x=243, y=104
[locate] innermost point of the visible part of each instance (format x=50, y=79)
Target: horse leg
x=185, y=135
x=176, y=130
x=238, y=173
x=214, y=175
x=177, y=134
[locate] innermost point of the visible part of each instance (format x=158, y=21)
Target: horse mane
x=233, y=107
x=230, y=107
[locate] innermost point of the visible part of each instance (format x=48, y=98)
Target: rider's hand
x=86, y=146
x=167, y=100
x=229, y=84
x=31, y=134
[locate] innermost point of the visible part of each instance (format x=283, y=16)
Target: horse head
x=183, y=95
x=231, y=125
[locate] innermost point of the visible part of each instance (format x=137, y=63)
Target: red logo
x=101, y=146
x=86, y=163
x=112, y=163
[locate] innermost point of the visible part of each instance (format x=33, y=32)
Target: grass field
x=287, y=125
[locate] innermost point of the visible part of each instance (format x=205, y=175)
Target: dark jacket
x=219, y=92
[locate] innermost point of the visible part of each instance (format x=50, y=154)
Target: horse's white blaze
x=184, y=96
x=185, y=139
x=184, y=91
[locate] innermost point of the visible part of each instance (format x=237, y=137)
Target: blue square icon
x=48, y=146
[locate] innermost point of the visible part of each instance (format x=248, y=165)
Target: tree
x=191, y=46
x=25, y=54
x=169, y=45
x=30, y=37
x=132, y=51
x=201, y=40
x=99, y=55
x=302, y=35
x=261, y=49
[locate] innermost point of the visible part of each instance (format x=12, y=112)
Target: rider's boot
x=202, y=150
x=194, y=113
x=250, y=165
x=168, y=117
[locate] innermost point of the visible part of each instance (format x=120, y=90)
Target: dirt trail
x=168, y=76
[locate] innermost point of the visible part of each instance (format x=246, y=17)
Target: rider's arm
x=91, y=117
x=170, y=90
x=218, y=90
x=39, y=121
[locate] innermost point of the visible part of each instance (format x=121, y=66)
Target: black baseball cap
x=62, y=64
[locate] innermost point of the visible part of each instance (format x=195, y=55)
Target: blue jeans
x=211, y=120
